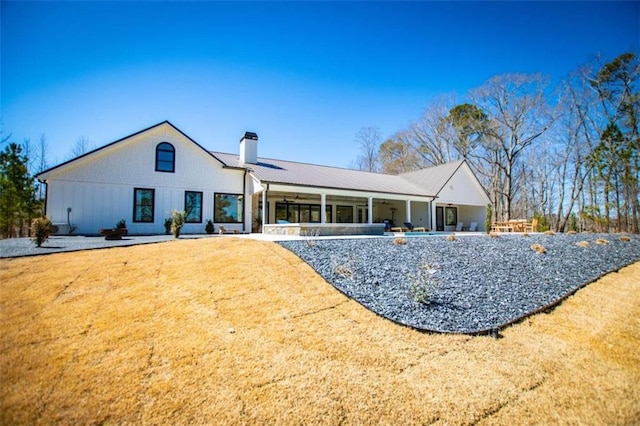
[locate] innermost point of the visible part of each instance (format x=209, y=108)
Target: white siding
x=463, y=189
x=99, y=187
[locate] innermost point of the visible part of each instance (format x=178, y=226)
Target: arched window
x=165, y=157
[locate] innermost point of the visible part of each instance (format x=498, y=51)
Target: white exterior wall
x=99, y=187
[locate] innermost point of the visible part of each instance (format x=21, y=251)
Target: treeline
x=566, y=155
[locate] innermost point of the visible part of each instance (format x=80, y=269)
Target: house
x=143, y=177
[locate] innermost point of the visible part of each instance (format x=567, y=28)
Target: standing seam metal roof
x=304, y=174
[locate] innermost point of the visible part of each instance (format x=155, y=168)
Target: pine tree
x=18, y=204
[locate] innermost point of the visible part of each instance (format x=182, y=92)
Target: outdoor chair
x=409, y=226
x=473, y=227
x=459, y=226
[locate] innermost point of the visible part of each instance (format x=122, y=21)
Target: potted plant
x=209, y=227
x=115, y=233
x=167, y=225
x=178, y=220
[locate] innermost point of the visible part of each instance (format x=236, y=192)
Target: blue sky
x=305, y=76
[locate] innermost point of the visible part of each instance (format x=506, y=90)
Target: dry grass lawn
x=228, y=330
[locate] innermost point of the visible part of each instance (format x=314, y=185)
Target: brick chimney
x=249, y=148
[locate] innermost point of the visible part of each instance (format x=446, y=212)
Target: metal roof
x=433, y=179
x=303, y=174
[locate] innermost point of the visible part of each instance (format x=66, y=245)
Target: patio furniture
x=473, y=227
x=409, y=227
x=459, y=226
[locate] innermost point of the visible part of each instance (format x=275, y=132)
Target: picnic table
x=513, y=225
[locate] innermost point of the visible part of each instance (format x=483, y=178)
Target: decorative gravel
x=473, y=285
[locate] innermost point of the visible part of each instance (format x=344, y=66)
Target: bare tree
x=81, y=146
x=519, y=113
x=368, y=139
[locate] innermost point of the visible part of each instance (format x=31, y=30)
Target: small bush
x=525, y=234
x=625, y=238
x=493, y=235
x=344, y=271
x=572, y=232
x=549, y=233
x=602, y=241
x=538, y=248
x=41, y=228
x=121, y=224
x=423, y=284
x=208, y=228
x=178, y=218
x=399, y=241
x=311, y=236
x=452, y=238
x=583, y=244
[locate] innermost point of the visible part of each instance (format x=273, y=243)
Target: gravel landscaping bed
x=475, y=284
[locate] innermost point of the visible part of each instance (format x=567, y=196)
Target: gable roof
x=303, y=174
x=433, y=179
x=107, y=146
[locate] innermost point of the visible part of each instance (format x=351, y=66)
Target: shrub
x=311, y=236
x=525, y=234
x=121, y=224
x=602, y=241
x=423, y=284
x=549, y=233
x=625, y=238
x=208, y=228
x=538, y=248
x=572, y=232
x=487, y=219
x=584, y=244
x=399, y=241
x=493, y=235
x=167, y=225
x=178, y=218
x=41, y=228
x=452, y=238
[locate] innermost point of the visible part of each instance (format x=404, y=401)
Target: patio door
x=363, y=214
x=439, y=219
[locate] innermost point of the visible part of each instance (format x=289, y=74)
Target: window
x=451, y=216
x=228, y=208
x=344, y=214
x=165, y=157
x=143, y=203
x=301, y=213
x=193, y=206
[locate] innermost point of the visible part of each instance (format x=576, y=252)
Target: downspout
x=244, y=202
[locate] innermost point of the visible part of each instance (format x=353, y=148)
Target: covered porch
x=289, y=210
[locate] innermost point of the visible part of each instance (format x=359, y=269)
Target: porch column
x=370, y=211
x=323, y=208
x=433, y=215
x=409, y=211
x=264, y=209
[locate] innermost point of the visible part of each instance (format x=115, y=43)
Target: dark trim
x=201, y=202
x=173, y=161
x=214, y=206
x=153, y=205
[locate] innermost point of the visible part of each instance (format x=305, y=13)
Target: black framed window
x=193, y=206
x=143, y=205
x=451, y=216
x=301, y=213
x=165, y=157
x=228, y=208
x=344, y=214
